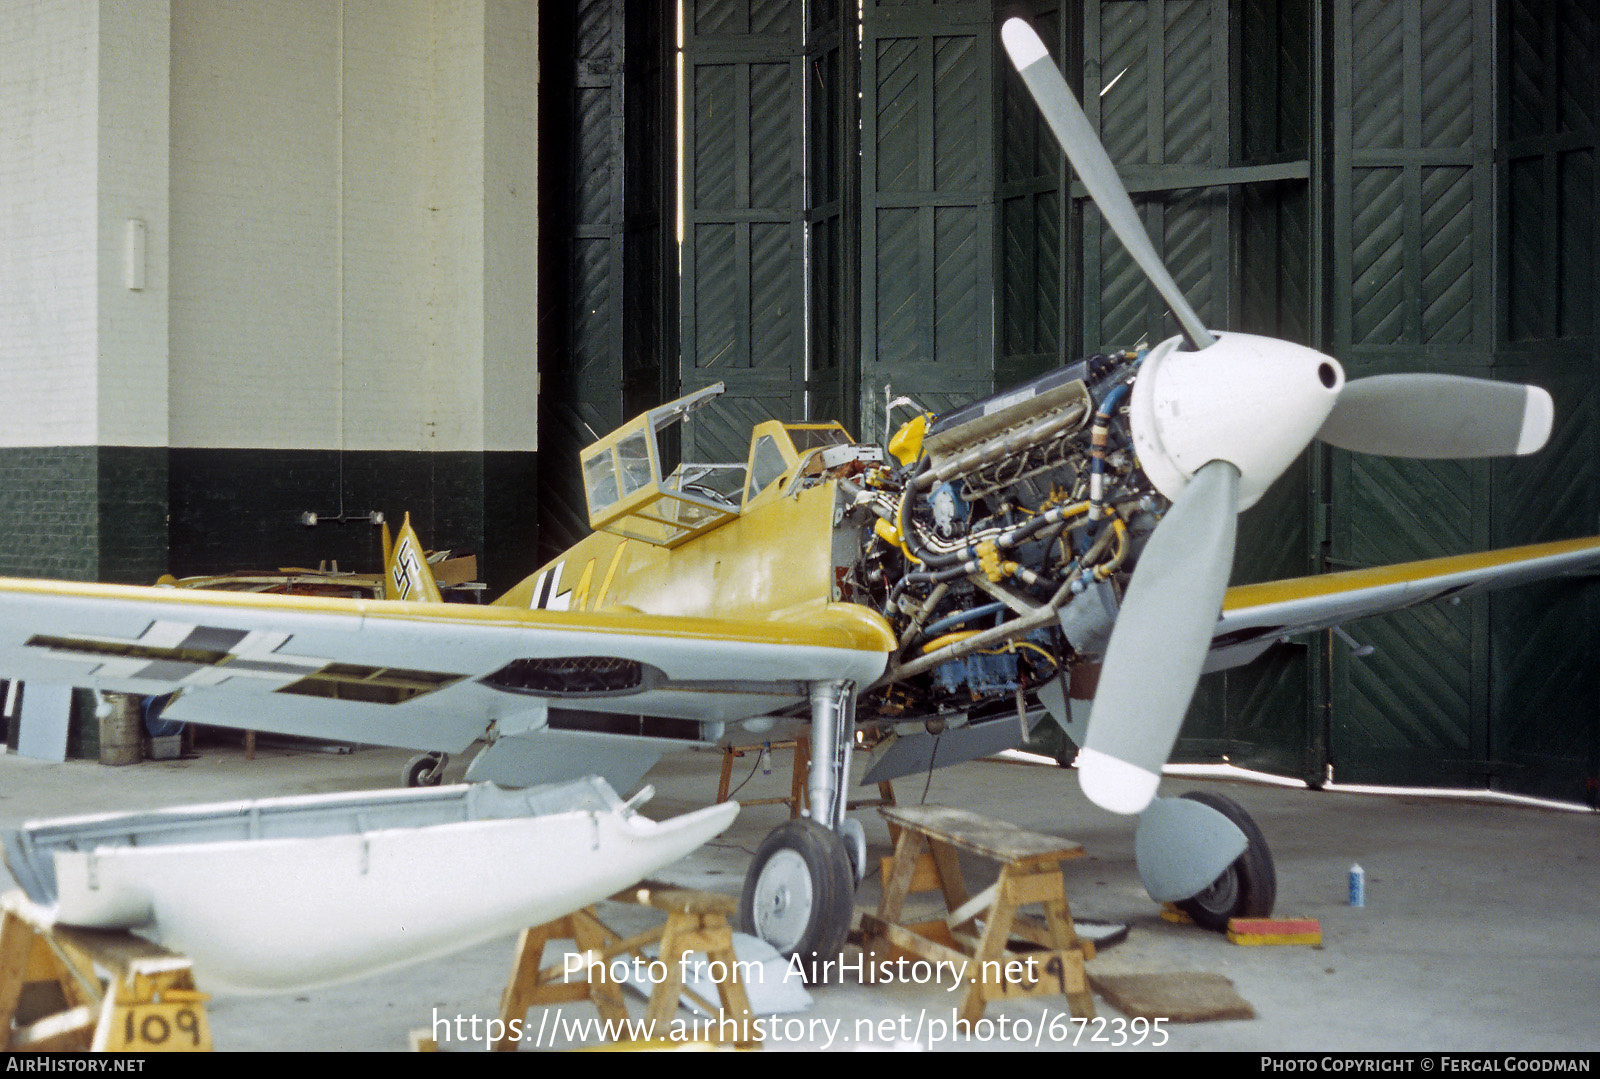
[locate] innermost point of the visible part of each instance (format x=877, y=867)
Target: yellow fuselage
x=774, y=562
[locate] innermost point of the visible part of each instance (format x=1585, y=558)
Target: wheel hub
x=783, y=900
x=1222, y=894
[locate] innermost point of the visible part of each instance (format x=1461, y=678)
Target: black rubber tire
x=799, y=895
x=422, y=771
x=1248, y=888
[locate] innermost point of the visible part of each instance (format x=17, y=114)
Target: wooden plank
x=606, y=954
x=901, y=937
x=133, y=1022
x=123, y=954
x=973, y=907
x=68, y=1031
x=679, y=900
x=907, y=853
x=951, y=882
x=1034, y=932
x=590, y=934
x=924, y=877
x=16, y=945
x=1026, y=888
x=998, y=840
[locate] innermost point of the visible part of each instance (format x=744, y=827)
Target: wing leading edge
x=1256, y=615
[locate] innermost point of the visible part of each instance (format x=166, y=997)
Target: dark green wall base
x=130, y=514
x=84, y=513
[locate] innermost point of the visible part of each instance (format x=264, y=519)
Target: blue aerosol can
x=1358, y=886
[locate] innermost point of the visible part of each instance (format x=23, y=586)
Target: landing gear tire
x=425, y=770
x=799, y=894
x=1248, y=888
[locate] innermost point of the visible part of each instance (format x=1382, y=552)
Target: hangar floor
x=1479, y=932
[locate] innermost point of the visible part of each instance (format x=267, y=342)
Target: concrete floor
x=1479, y=932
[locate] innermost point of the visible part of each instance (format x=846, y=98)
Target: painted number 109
x=154, y=1028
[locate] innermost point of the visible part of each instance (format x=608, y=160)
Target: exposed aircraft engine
x=999, y=547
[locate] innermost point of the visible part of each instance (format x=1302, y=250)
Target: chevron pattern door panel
x=743, y=287
x=1413, y=181
x=1544, y=736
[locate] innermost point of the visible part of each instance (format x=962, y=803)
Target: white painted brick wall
x=511, y=233
x=131, y=183
x=398, y=68
x=329, y=226
x=455, y=300
x=339, y=210
x=48, y=60
x=255, y=224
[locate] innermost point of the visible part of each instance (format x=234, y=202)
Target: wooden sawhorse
x=53, y=1000
x=696, y=922
x=925, y=857
x=797, y=793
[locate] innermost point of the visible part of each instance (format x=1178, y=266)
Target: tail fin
x=406, y=574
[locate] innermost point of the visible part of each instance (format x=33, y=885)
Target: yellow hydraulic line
x=948, y=638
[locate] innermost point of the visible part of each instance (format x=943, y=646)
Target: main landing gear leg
x=799, y=893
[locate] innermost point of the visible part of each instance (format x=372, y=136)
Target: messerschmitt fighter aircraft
x=1064, y=542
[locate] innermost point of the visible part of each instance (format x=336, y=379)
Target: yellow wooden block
x=1170, y=913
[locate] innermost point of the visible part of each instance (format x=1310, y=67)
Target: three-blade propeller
x=1213, y=428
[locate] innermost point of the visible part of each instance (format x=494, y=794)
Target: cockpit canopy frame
x=628, y=495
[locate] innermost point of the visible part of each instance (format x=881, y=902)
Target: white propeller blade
x=1162, y=635
x=1065, y=117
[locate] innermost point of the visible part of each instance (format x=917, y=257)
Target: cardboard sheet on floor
x=1177, y=996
